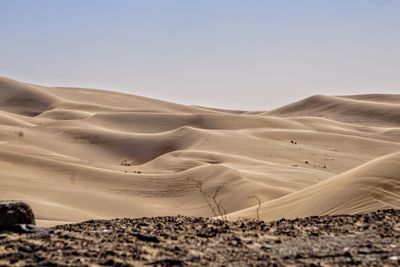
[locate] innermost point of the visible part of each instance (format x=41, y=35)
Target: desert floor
x=366, y=239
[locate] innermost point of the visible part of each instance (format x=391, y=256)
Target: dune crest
x=370, y=110
x=75, y=154
x=24, y=99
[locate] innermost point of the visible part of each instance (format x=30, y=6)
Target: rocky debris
x=371, y=239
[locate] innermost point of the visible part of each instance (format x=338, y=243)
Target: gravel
x=370, y=239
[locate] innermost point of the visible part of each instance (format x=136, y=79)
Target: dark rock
x=167, y=262
x=14, y=212
x=146, y=238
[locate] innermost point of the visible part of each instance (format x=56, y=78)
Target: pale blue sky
x=245, y=54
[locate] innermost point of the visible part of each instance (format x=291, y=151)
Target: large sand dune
x=75, y=154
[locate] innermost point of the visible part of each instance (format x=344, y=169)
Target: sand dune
x=358, y=110
x=372, y=186
x=75, y=154
x=24, y=99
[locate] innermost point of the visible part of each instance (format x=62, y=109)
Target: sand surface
x=77, y=154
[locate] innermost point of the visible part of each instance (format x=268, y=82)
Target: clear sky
x=235, y=54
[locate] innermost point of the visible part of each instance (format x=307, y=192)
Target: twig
x=259, y=206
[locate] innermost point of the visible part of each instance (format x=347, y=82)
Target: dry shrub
x=213, y=203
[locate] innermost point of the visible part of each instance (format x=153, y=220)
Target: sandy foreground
x=78, y=154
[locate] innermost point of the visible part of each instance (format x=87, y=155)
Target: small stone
x=167, y=262
x=194, y=255
x=146, y=237
x=14, y=212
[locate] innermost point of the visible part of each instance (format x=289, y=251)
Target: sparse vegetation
x=259, y=206
x=213, y=203
x=126, y=163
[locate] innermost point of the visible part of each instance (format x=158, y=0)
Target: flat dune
x=75, y=154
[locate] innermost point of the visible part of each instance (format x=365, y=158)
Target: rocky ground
x=371, y=239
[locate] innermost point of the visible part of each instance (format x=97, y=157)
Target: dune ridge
x=357, y=110
x=75, y=154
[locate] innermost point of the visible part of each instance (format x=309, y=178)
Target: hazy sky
x=245, y=54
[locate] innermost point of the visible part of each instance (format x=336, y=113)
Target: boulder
x=13, y=213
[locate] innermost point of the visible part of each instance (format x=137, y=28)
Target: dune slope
x=372, y=186
x=75, y=154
